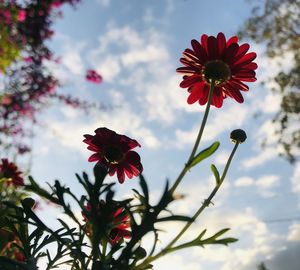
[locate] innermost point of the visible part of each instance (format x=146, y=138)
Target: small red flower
x=114, y=152
x=22, y=15
x=93, y=76
x=213, y=59
x=8, y=248
x=117, y=223
x=10, y=171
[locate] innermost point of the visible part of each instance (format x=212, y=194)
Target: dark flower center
x=113, y=154
x=217, y=71
x=113, y=233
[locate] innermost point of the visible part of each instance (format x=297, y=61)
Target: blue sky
x=136, y=46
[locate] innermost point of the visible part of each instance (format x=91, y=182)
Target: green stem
x=206, y=203
x=198, y=139
x=104, y=249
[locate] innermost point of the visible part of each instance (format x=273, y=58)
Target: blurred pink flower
x=93, y=76
x=22, y=15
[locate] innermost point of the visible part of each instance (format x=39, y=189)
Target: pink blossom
x=93, y=76
x=22, y=15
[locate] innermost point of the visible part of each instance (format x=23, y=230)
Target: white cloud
x=260, y=158
x=294, y=233
x=264, y=184
x=244, y=182
x=109, y=67
x=147, y=54
x=222, y=157
x=145, y=57
x=176, y=262
x=218, y=122
x=130, y=124
x=104, y=3
x=267, y=181
x=296, y=178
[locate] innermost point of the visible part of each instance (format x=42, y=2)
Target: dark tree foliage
x=276, y=24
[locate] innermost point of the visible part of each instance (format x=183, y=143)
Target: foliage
x=276, y=24
x=28, y=85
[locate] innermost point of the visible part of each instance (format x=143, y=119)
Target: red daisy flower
x=213, y=59
x=114, y=152
x=10, y=171
x=117, y=223
x=93, y=76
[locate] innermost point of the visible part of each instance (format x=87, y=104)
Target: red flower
x=22, y=15
x=8, y=248
x=117, y=223
x=225, y=63
x=93, y=76
x=10, y=171
x=114, y=152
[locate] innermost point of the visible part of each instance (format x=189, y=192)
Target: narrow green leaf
x=175, y=218
x=144, y=187
x=216, y=173
x=225, y=241
x=204, y=154
x=218, y=234
x=201, y=234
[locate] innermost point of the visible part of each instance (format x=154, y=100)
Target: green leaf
x=175, y=218
x=144, y=187
x=216, y=173
x=225, y=241
x=204, y=154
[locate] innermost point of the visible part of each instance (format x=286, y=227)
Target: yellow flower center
x=217, y=71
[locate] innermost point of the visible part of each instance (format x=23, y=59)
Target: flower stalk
x=198, y=139
x=205, y=204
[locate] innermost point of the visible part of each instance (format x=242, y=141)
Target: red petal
x=134, y=161
x=188, y=63
x=232, y=40
x=230, y=52
x=185, y=70
x=94, y=148
x=190, y=55
x=238, y=84
x=199, y=51
x=212, y=46
x=189, y=81
x=242, y=51
x=204, y=97
x=94, y=157
x=246, y=59
x=204, y=42
x=127, y=143
x=234, y=93
x=246, y=79
x=217, y=99
x=120, y=174
x=196, y=93
x=252, y=66
x=221, y=42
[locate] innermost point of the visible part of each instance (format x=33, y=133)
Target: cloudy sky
x=136, y=45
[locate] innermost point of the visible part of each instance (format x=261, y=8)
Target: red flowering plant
x=11, y=191
x=108, y=233
x=28, y=85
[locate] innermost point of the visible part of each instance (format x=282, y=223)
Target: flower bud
x=140, y=253
x=28, y=203
x=238, y=136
